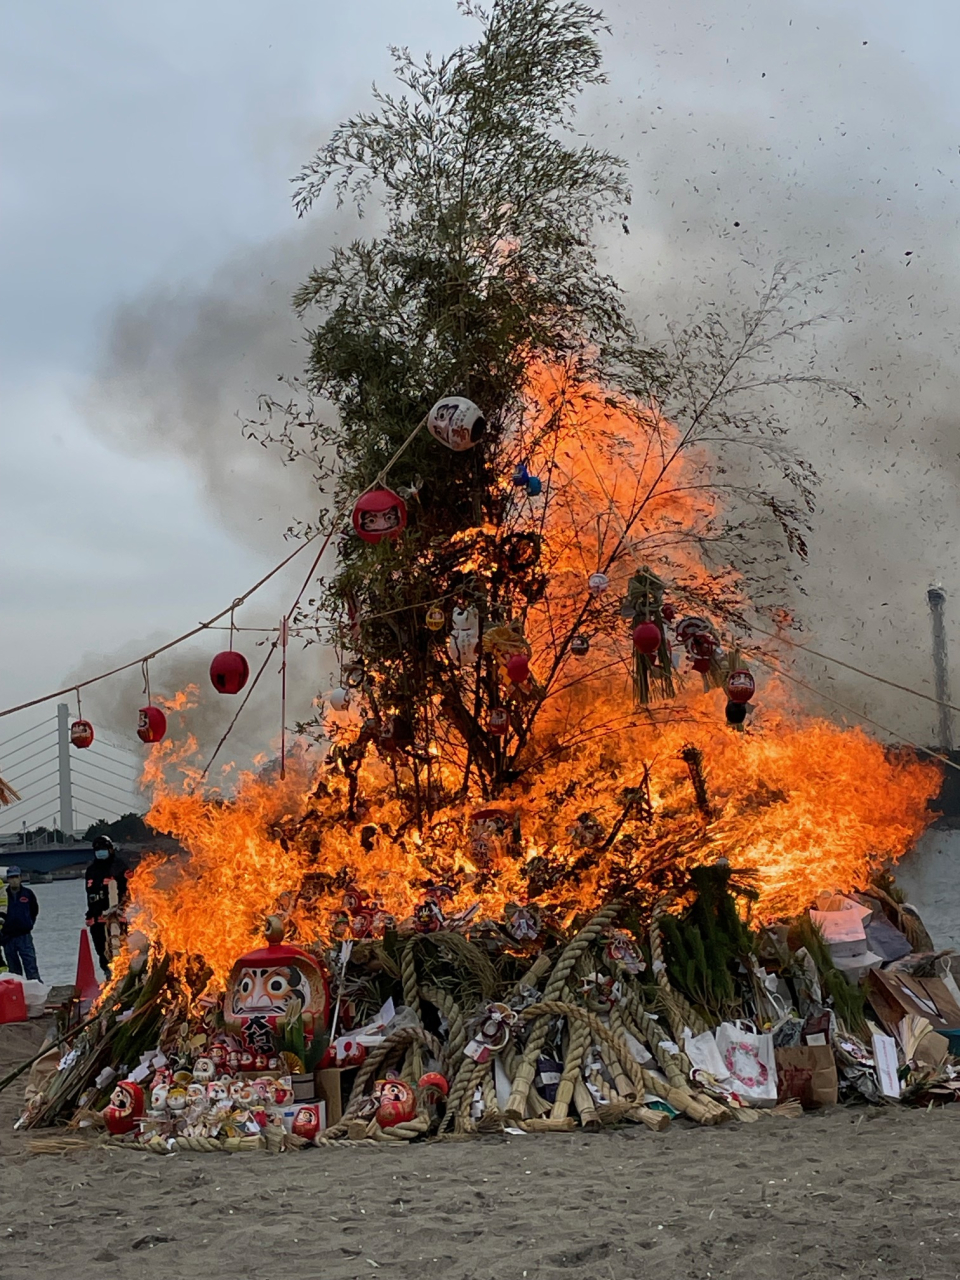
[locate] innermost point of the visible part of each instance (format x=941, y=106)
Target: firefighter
x=106, y=895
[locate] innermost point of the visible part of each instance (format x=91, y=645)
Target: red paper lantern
x=379, y=514
x=153, y=724
x=81, y=733
x=647, y=637
x=499, y=721
x=518, y=667
x=741, y=685
x=229, y=671
x=668, y=612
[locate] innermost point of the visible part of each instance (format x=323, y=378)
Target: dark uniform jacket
x=101, y=873
x=22, y=909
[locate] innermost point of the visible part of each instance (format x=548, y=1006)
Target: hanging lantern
x=81, y=733
x=647, y=637
x=598, y=583
x=379, y=514
x=741, y=685
x=521, y=477
x=667, y=611
x=518, y=667
x=499, y=721
x=736, y=712
x=229, y=671
x=152, y=725
x=702, y=648
x=534, y=486
x=339, y=700
x=579, y=645
x=435, y=618
x=456, y=422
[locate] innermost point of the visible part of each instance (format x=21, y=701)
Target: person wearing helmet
x=106, y=878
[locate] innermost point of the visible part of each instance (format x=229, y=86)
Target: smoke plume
x=754, y=134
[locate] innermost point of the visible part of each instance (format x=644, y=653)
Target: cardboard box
x=895, y=995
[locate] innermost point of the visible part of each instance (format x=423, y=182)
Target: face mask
x=103, y=854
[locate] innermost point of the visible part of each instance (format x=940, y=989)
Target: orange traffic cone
x=88, y=988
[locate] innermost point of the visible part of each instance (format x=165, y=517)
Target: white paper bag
x=749, y=1062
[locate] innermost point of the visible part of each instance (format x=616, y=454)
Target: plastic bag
x=749, y=1062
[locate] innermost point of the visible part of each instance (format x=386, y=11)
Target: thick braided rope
x=461, y=1094
x=491, y=1108
x=622, y=1082
x=651, y=1034
x=413, y=1060
x=695, y=1107
x=391, y=1046
x=456, y=1027
x=674, y=1067
x=554, y=989
x=578, y=1042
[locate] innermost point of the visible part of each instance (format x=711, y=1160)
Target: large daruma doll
x=272, y=986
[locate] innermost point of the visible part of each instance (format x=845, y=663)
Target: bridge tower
x=63, y=761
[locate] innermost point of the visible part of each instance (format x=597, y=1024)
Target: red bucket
x=13, y=1005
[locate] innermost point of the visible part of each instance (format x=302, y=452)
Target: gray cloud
x=753, y=135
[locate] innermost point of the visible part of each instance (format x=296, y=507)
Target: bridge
x=44, y=857
x=65, y=788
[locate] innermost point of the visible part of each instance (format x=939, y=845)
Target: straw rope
x=456, y=1027
x=523, y=1079
x=702, y=1109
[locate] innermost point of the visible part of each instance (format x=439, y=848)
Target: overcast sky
x=149, y=250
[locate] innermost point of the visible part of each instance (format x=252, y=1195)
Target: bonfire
x=560, y=818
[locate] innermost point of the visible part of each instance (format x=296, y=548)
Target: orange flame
x=605, y=802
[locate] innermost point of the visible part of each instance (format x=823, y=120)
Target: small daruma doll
x=306, y=1122
x=396, y=1102
x=269, y=985
x=124, y=1108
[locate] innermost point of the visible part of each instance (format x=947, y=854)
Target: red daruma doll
x=124, y=1108
x=265, y=985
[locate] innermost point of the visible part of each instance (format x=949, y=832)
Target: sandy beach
x=859, y=1193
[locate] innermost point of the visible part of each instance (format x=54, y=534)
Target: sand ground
x=851, y=1193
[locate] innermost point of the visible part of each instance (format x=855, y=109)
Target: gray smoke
x=754, y=134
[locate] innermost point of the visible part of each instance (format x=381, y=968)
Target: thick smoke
x=754, y=134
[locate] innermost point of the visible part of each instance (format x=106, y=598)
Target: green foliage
x=706, y=945
x=292, y=1039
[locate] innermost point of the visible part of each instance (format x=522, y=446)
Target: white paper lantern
x=456, y=422
x=339, y=700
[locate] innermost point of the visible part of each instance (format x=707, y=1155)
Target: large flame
x=606, y=803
